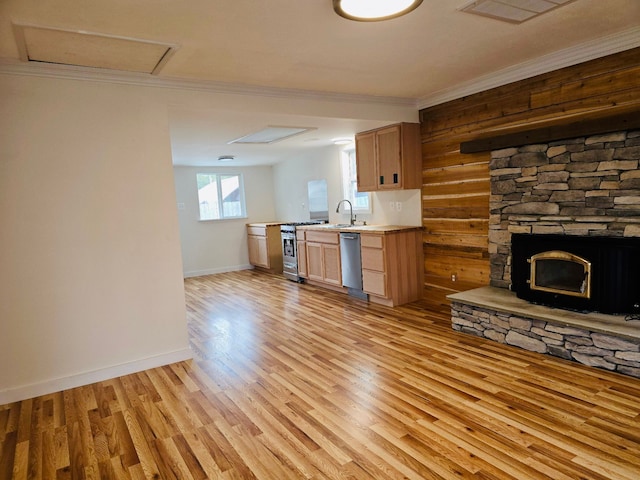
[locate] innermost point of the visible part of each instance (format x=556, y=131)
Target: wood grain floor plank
x=20, y=470
x=291, y=381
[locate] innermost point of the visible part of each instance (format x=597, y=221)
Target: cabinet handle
x=395, y=178
x=381, y=179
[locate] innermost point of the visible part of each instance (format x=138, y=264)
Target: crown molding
x=584, y=52
x=567, y=57
x=68, y=72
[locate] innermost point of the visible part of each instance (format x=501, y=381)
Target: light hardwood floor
x=293, y=382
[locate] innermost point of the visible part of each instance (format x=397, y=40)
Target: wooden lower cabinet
x=265, y=249
x=392, y=267
x=258, y=251
x=301, y=249
x=323, y=257
x=332, y=270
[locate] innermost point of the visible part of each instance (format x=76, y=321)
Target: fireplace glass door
x=560, y=272
x=588, y=274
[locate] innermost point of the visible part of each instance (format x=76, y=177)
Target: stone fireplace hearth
x=588, y=186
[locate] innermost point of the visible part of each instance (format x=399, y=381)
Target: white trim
x=213, y=271
x=72, y=381
x=9, y=67
x=584, y=52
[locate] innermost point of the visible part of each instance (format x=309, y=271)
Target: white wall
x=90, y=266
x=386, y=212
x=90, y=269
x=220, y=245
x=291, y=177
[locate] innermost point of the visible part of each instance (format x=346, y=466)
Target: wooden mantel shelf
x=559, y=129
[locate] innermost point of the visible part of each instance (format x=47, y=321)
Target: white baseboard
x=55, y=385
x=212, y=271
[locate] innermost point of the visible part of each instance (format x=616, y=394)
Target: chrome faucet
x=351, y=220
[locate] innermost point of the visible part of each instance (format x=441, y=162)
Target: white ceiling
x=302, y=47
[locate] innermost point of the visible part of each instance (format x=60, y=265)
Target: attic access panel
x=85, y=49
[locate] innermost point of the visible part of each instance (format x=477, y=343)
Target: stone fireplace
x=585, y=187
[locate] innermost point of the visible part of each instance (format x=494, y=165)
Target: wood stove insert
x=595, y=274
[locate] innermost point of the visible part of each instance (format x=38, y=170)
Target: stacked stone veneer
x=596, y=349
x=584, y=186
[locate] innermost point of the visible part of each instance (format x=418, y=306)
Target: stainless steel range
x=290, y=249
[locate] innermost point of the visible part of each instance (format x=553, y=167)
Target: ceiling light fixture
x=374, y=10
x=342, y=141
x=226, y=158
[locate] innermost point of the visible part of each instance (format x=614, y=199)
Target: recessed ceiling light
x=271, y=134
x=226, y=158
x=374, y=10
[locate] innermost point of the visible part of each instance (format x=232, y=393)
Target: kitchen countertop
x=381, y=229
x=264, y=224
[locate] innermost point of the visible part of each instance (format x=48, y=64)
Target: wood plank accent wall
x=455, y=191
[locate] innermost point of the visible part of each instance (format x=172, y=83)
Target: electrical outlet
x=399, y=206
x=392, y=205
x=454, y=277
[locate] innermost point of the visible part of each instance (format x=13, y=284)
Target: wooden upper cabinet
x=366, y=167
x=389, y=161
x=389, y=158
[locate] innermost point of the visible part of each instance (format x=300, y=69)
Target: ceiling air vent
x=85, y=49
x=513, y=11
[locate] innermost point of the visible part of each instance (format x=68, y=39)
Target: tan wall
x=455, y=192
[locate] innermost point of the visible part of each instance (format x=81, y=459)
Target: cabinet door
x=389, y=163
x=372, y=259
x=314, y=261
x=302, y=259
x=374, y=276
x=366, y=170
x=258, y=253
x=332, y=270
x=374, y=283
x=252, y=242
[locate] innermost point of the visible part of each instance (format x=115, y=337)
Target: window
x=361, y=201
x=220, y=196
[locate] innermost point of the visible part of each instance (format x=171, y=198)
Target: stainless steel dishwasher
x=351, y=264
